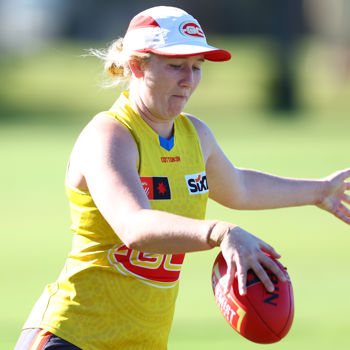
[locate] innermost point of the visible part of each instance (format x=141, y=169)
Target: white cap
x=169, y=31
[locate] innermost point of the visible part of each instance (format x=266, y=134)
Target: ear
x=136, y=67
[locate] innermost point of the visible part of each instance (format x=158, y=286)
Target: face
x=166, y=85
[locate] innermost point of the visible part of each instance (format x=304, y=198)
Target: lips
x=181, y=97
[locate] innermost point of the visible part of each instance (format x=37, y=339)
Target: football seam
x=278, y=335
x=291, y=302
x=262, y=320
x=286, y=323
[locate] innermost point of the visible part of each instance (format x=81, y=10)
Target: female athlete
x=138, y=181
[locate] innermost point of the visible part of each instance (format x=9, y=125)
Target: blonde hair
x=116, y=62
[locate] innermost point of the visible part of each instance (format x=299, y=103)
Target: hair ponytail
x=116, y=62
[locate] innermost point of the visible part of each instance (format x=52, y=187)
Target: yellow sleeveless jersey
x=111, y=297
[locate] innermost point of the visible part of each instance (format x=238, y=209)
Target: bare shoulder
x=103, y=141
x=103, y=125
x=206, y=136
x=103, y=132
x=199, y=124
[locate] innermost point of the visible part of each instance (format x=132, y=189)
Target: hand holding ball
x=259, y=316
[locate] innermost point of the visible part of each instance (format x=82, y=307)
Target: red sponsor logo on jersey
x=191, y=29
x=170, y=159
x=156, y=187
x=163, y=269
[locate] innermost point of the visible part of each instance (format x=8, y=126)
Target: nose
x=188, y=77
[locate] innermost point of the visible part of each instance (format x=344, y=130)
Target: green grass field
x=43, y=118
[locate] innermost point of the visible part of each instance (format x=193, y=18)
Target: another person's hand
x=335, y=196
x=243, y=251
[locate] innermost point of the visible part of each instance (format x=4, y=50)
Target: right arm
x=106, y=156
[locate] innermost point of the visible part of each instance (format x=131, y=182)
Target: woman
x=138, y=182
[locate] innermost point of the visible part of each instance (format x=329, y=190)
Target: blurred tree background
x=303, y=46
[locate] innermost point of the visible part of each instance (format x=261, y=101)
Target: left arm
x=265, y=191
x=250, y=189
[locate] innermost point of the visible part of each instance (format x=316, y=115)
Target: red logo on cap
x=191, y=29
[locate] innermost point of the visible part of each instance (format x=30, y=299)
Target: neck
x=162, y=128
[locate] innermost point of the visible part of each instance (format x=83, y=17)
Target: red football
x=259, y=316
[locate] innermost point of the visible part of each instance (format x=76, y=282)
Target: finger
x=230, y=275
x=346, y=198
x=347, y=186
x=274, y=268
x=342, y=213
x=263, y=277
x=269, y=250
x=345, y=210
x=242, y=279
x=344, y=174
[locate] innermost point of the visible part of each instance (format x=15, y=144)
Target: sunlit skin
x=103, y=162
x=161, y=89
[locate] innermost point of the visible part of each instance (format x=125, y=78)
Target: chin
x=175, y=114
x=176, y=111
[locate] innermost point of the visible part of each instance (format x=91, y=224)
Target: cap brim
x=210, y=53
